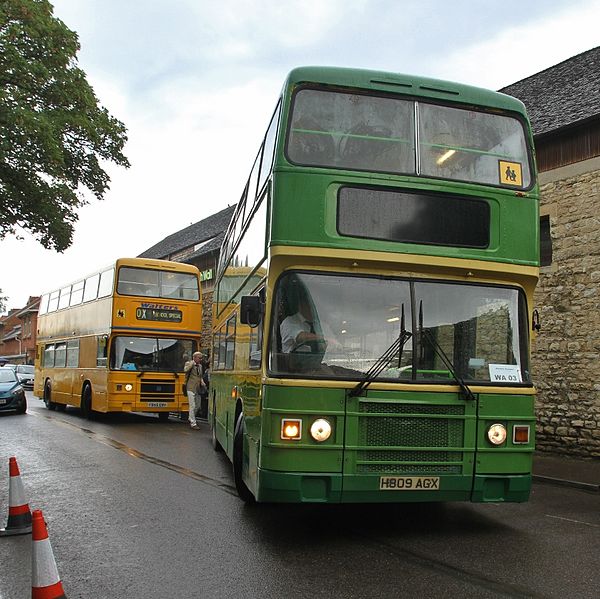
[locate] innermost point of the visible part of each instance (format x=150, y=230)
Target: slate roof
x=563, y=95
x=212, y=228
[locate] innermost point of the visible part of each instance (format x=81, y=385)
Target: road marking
x=572, y=520
x=134, y=453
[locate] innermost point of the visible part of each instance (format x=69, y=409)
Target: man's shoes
x=193, y=425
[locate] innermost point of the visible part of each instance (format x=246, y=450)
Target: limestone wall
x=566, y=354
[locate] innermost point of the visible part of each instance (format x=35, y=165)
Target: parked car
x=25, y=374
x=12, y=394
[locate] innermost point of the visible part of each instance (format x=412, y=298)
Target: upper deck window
x=352, y=131
x=472, y=146
x=382, y=134
x=146, y=282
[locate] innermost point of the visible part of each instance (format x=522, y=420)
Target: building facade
x=18, y=331
x=564, y=106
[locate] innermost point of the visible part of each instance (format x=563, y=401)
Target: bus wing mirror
x=250, y=310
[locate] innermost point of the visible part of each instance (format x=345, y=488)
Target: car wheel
x=47, y=397
x=23, y=407
x=238, y=460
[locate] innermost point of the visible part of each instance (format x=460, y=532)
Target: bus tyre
x=213, y=429
x=47, y=395
x=86, y=403
x=238, y=460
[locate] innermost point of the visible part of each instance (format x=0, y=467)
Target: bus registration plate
x=409, y=483
x=157, y=404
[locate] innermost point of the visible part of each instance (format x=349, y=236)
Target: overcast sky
x=195, y=82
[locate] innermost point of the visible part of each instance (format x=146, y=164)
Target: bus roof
x=155, y=263
x=410, y=85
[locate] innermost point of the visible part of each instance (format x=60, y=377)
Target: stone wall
x=206, y=334
x=566, y=354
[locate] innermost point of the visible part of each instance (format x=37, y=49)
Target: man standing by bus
x=194, y=384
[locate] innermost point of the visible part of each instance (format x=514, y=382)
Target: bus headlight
x=497, y=434
x=128, y=387
x=291, y=429
x=320, y=430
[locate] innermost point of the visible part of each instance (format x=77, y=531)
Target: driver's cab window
x=299, y=340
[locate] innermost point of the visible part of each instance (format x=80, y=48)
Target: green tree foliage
x=53, y=132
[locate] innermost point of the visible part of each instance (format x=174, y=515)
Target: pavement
x=562, y=470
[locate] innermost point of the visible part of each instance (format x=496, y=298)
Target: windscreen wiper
x=465, y=392
x=381, y=363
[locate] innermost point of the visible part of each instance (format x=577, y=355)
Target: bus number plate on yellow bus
x=409, y=483
x=157, y=404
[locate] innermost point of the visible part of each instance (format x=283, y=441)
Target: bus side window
x=101, y=353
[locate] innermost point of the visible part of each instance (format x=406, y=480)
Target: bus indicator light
x=128, y=387
x=521, y=434
x=291, y=429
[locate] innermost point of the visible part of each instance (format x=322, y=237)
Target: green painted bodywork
x=305, y=198
x=384, y=433
x=435, y=434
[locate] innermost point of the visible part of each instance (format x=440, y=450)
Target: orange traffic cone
x=19, y=515
x=45, y=582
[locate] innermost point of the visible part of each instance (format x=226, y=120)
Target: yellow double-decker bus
x=117, y=340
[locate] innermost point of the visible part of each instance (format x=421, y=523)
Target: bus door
x=62, y=376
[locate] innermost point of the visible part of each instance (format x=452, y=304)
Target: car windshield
x=25, y=369
x=7, y=375
x=334, y=326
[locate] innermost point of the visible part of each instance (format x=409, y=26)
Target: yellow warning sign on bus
x=510, y=173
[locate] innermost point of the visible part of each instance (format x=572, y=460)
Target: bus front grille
x=401, y=438
x=157, y=390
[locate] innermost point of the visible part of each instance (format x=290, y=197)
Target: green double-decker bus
x=373, y=310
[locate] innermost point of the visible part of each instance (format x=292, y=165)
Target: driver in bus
x=298, y=331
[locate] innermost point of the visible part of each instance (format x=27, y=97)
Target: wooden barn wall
x=568, y=147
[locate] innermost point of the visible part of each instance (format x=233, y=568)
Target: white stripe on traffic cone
x=19, y=515
x=45, y=582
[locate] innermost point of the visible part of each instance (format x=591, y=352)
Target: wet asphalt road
x=137, y=508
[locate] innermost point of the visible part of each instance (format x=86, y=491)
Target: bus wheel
x=238, y=457
x=163, y=416
x=86, y=403
x=47, y=395
x=213, y=429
